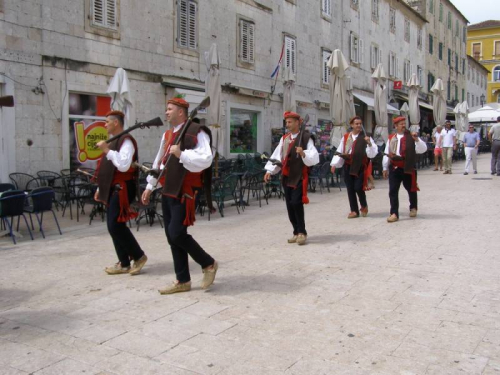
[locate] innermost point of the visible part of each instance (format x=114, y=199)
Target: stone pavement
x=420, y=296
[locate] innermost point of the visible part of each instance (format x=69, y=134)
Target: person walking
x=437, y=138
x=494, y=137
x=187, y=166
x=471, y=145
x=355, y=151
x=117, y=183
x=295, y=155
x=449, y=145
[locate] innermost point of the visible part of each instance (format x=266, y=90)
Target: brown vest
x=294, y=162
x=107, y=170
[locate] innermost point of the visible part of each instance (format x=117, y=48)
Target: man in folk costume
x=117, y=182
x=356, y=150
x=297, y=153
x=399, y=166
x=187, y=167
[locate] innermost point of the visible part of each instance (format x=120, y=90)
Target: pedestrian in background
x=494, y=137
x=471, y=145
x=449, y=145
x=437, y=138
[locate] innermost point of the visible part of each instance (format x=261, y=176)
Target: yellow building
x=483, y=44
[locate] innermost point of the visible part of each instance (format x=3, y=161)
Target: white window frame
x=356, y=48
x=407, y=30
x=326, y=8
x=495, y=74
x=407, y=75
x=392, y=20
x=325, y=71
x=290, y=53
x=189, y=18
x=392, y=64
x=104, y=13
x=494, y=48
x=420, y=74
x=375, y=10
x=480, y=49
x=247, y=41
x=375, y=56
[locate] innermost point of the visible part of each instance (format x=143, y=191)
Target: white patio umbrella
x=213, y=89
x=464, y=118
x=289, y=103
x=458, y=125
x=404, y=111
x=438, y=103
x=340, y=108
x=121, y=97
x=350, y=98
x=484, y=114
x=414, y=88
x=380, y=101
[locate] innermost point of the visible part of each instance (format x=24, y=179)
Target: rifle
x=273, y=161
x=302, y=129
x=343, y=156
x=204, y=104
x=153, y=172
x=154, y=122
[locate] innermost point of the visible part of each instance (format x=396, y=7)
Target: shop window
x=243, y=131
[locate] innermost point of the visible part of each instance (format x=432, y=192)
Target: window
x=431, y=6
x=406, y=71
x=430, y=81
x=496, y=74
x=456, y=62
x=247, y=41
x=464, y=36
x=186, y=24
x=392, y=20
x=449, y=20
x=420, y=74
x=463, y=95
x=392, y=64
x=449, y=57
x=476, y=50
x=431, y=44
x=468, y=99
x=326, y=8
x=419, y=39
x=496, y=50
x=243, y=131
x=463, y=66
x=498, y=98
x=448, y=91
x=325, y=72
x=468, y=73
x=375, y=10
x=356, y=45
x=441, y=51
x=375, y=56
x=440, y=12
x=456, y=92
x=456, y=28
x=104, y=13
x=407, y=30
x=291, y=54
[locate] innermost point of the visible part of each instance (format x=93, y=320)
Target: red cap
x=178, y=102
x=290, y=114
x=398, y=119
x=115, y=113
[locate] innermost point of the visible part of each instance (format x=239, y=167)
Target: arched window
x=496, y=74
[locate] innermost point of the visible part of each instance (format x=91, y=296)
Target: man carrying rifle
x=297, y=153
x=117, y=182
x=185, y=159
x=354, y=154
x=399, y=166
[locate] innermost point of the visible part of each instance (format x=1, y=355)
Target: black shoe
x=475, y=172
x=466, y=173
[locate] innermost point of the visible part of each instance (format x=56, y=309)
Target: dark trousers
x=126, y=245
x=396, y=176
x=181, y=243
x=495, y=157
x=295, y=207
x=354, y=187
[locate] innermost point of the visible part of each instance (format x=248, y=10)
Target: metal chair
x=20, y=180
x=41, y=201
x=12, y=205
x=6, y=187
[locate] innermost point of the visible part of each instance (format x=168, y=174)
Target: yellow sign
x=86, y=140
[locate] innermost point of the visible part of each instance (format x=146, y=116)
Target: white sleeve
x=122, y=159
x=420, y=146
x=152, y=182
x=385, y=160
x=337, y=161
x=311, y=154
x=199, y=158
x=371, y=151
x=269, y=167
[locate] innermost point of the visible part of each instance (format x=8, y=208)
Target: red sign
x=398, y=85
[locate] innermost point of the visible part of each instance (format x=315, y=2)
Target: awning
x=370, y=102
x=420, y=103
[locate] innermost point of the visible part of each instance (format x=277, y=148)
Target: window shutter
x=353, y=50
x=372, y=57
x=98, y=12
x=251, y=42
x=379, y=56
x=294, y=56
x=397, y=68
x=247, y=32
x=391, y=67
x=361, y=51
x=290, y=53
x=326, y=73
x=192, y=25
x=111, y=13
x=183, y=23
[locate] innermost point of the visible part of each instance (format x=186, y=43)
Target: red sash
x=401, y=163
x=285, y=170
x=366, y=162
x=121, y=178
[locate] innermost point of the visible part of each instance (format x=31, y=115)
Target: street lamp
x=483, y=100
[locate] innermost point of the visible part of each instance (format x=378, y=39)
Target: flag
x=277, y=69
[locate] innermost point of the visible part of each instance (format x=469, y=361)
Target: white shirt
x=439, y=139
x=195, y=160
x=122, y=159
x=448, y=136
x=371, y=151
x=420, y=148
x=311, y=156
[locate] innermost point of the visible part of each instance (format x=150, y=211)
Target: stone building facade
x=477, y=81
